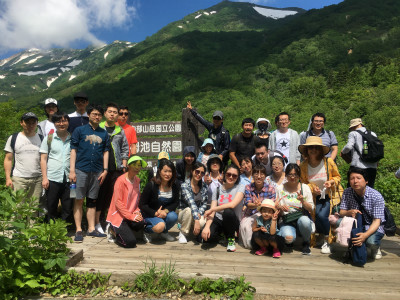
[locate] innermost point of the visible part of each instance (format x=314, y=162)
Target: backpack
x=372, y=150
x=344, y=230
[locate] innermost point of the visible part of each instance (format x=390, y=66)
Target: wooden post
x=191, y=129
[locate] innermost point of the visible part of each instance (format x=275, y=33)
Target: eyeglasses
x=318, y=121
x=198, y=172
x=283, y=120
x=258, y=174
x=217, y=118
x=233, y=176
x=277, y=164
x=313, y=147
x=292, y=175
x=123, y=113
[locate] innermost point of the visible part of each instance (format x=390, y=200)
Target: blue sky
x=46, y=24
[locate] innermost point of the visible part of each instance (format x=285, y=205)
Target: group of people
x=278, y=185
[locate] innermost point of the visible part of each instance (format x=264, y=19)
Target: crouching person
x=124, y=215
x=360, y=198
x=193, y=203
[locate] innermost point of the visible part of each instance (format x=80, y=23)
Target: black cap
x=81, y=95
x=29, y=115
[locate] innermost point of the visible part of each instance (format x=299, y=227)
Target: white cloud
x=48, y=23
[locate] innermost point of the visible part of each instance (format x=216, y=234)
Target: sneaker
x=262, y=251
x=110, y=233
x=166, y=236
x=95, y=233
x=326, y=248
x=99, y=228
x=289, y=248
x=231, y=245
x=378, y=254
x=320, y=240
x=78, y=237
x=276, y=253
x=182, y=238
x=147, y=237
x=306, y=249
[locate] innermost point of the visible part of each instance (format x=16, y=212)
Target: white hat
x=50, y=101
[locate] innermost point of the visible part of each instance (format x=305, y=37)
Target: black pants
x=124, y=234
x=106, y=191
x=59, y=191
x=228, y=225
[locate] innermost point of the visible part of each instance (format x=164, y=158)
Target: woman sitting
x=226, y=210
x=214, y=175
x=322, y=176
x=277, y=178
x=296, y=202
x=193, y=203
x=159, y=200
x=124, y=216
x=254, y=193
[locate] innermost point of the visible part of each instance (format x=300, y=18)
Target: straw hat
x=355, y=122
x=267, y=203
x=314, y=141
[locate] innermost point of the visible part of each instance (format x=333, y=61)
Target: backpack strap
x=14, y=140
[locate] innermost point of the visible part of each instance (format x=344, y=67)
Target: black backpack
x=374, y=151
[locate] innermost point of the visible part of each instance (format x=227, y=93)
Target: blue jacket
x=90, y=146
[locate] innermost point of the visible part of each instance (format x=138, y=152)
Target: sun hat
x=207, y=141
x=162, y=155
x=267, y=203
x=313, y=141
x=355, y=122
x=132, y=159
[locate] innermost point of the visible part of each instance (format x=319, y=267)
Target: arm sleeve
x=124, y=146
x=203, y=121
x=227, y=143
x=350, y=143
x=334, y=141
x=145, y=200
x=232, y=147
x=120, y=204
x=44, y=148
x=204, y=193
x=75, y=139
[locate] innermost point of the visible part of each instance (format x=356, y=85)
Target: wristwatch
x=105, y=169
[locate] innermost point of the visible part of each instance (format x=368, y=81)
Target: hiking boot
x=182, y=238
x=231, y=245
x=99, y=228
x=78, y=237
x=305, y=250
x=262, y=251
x=147, y=237
x=276, y=253
x=95, y=233
x=326, y=248
x=166, y=236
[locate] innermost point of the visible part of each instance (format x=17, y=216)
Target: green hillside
x=343, y=60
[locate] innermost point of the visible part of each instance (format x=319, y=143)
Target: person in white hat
x=354, y=147
x=47, y=126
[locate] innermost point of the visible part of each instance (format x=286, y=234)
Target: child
x=265, y=229
x=206, y=150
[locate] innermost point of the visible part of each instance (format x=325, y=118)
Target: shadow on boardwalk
x=293, y=274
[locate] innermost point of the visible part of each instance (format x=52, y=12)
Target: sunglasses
x=123, y=113
x=233, y=176
x=198, y=172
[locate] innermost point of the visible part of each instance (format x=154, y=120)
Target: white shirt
x=283, y=142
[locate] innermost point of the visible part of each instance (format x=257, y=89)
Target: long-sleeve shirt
x=188, y=199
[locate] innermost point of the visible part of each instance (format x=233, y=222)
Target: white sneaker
x=147, y=237
x=182, y=238
x=110, y=236
x=231, y=245
x=166, y=236
x=326, y=248
x=378, y=254
x=99, y=228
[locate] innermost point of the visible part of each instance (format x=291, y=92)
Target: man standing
x=117, y=158
x=316, y=128
x=79, y=117
x=243, y=143
x=130, y=132
x=23, y=148
x=285, y=139
x=88, y=168
x=216, y=131
x=47, y=126
x=55, y=163
x=355, y=147
x=359, y=198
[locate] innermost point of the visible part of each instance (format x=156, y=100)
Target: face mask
x=263, y=127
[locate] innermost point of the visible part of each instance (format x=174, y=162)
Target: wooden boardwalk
x=318, y=275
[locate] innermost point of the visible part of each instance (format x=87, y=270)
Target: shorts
x=87, y=184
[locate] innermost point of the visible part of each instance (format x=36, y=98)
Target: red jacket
x=118, y=210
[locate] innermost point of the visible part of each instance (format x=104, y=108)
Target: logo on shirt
x=283, y=144
x=93, y=139
x=222, y=198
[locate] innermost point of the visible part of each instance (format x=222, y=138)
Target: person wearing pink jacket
x=124, y=215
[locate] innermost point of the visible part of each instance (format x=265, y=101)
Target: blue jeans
x=170, y=220
x=374, y=240
x=321, y=217
x=303, y=225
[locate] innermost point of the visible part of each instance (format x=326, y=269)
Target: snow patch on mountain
x=33, y=60
x=71, y=77
x=274, y=13
x=50, y=81
x=105, y=55
x=2, y=76
x=31, y=73
x=74, y=63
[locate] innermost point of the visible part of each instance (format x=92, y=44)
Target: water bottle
x=365, y=148
x=72, y=190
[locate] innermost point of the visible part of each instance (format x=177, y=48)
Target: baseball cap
x=81, y=95
x=218, y=113
x=50, y=101
x=29, y=115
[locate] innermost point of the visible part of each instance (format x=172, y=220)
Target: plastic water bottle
x=72, y=190
x=365, y=148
